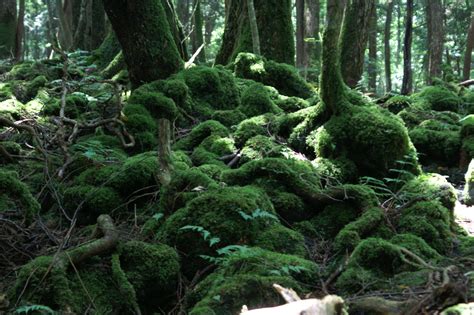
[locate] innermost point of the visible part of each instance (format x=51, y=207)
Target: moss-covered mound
x=372, y=138
x=283, y=77
x=440, y=98
x=246, y=277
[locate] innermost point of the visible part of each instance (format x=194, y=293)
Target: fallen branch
x=467, y=83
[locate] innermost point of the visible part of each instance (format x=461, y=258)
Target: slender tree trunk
x=198, y=37
x=88, y=30
x=99, y=26
x=211, y=16
x=79, y=36
x=182, y=9
x=399, y=31
x=354, y=40
x=253, y=27
x=68, y=10
x=8, y=24
x=466, y=73
x=387, y=51
x=372, y=67
x=20, y=32
x=65, y=35
x=164, y=151
x=145, y=35
x=332, y=86
x=300, y=33
x=407, y=84
x=312, y=21
x=434, y=13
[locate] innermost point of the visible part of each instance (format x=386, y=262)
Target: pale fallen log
x=329, y=305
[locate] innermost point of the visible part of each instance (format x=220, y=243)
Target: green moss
x=246, y=278
x=366, y=225
x=219, y=145
x=228, y=117
x=459, y=309
x=283, y=77
x=289, y=206
x=91, y=201
x=440, y=98
x=11, y=147
x=372, y=138
x=202, y=156
x=431, y=187
x=15, y=195
x=336, y=171
x=397, y=103
x=333, y=218
x=436, y=146
x=430, y=221
x=219, y=212
x=212, y=170
x=416, y=245
x=137, y=174
x=292, y=104
x=184, y=186
x=467, y=245
x=468, y=193
x=260, y=147
x=155, y=102
x=199, y=133
x=256, y=101
x=283, y=240
x=153, y=271
x=252, y=127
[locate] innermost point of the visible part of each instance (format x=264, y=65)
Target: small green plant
x=206, y=235
x=257, y=214
x=42, y=309
x=287, y=270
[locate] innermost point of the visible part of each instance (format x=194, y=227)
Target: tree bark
x=300, y=33
x=144, y=33
x=20, y=32
x=274, y=25
x=253, y=27
x=8, y=24
x=387, y=51
x=164, y=151
x=312, y=47
x=407, y=84
x=372, y=67
x=65, y=35
x=434, y=13
x=354, y=40
x=466, y=73
x=332, y=86
x=198, y=36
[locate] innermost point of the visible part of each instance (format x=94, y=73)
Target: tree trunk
x=79, y=35
x=182, y=9
x=99, y=27
x=466, y=73
x=20, y=32
x=198, y=36
x=407, y=84
x=253, y=27
x=387, y=51
x=300, y=33
x=276, y=34
x=8, y=26
x=372, y=67
x=312, y=47
x=65, y=35
x=434, y=14
x=144, y=33
x=164, y=151
x=332, y=86
x=354, y=40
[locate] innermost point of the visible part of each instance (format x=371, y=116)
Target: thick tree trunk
x=332, y=85
x=8, y=24
x=276, y=34
x=434, y=14
x=372, y=67
x=466, y=73
x=407, y=84
x=198, y=36
x=300, y=33
x=20, y=32
x=99, y=26
x=253, y=27
x=143, y=31
x=387, y=51
x=65, y=34
x=354, y=40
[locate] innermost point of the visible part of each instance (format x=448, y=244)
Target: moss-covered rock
x=15, y=195
x=225, y=213
x=228, y=117
x=372, y=138
x=440, y=98
x=430, y=221
x=283, y=240
x=293, y=104
x=397, y=103
x=155, y=102
x=332, y=219
x=283, y=77
x=290, y=207
x=260, y=147
x=199, y=133
x=246, y=277
x=256, y=101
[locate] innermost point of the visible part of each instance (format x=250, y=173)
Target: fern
x=258, y=214
x=26, y=309
x=206, y=235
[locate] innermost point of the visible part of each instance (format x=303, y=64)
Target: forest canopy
x=229, y=157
